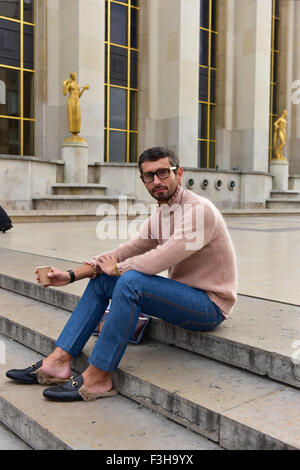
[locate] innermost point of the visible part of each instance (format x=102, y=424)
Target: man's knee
x=131, y=279
x=101, y=285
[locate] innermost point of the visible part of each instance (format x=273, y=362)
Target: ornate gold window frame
x=209, y=102
x=21, y=69
x=129, y=132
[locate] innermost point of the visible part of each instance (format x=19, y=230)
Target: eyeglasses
x=161, y=173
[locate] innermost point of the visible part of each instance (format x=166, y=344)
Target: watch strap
x=72, y=274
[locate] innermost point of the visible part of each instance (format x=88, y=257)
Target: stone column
x=91, y=58
x=40, y=65
x=168, y=80
x=244, y=84
x=290, y=79
x=225, y=83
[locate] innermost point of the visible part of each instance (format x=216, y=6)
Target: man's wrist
x=116, y=271
x=72, y=276
x=85, y=271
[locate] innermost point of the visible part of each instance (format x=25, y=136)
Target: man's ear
x=179, y=173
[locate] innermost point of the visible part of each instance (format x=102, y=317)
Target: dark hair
x=156, y=153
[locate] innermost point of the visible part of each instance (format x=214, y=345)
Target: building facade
x=206, y=78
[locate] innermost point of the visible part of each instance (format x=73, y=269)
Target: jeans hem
x=101, y=366
x=66, y=349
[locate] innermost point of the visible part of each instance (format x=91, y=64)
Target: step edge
x=283, y=200
x=12, y=417
x=113, y=197
x=74, y=185
x=256, y=440
x=231, y=352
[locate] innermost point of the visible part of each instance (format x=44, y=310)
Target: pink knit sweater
x=187, y=236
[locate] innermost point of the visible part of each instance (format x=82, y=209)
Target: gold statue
x=73, y=106
x=280, y=133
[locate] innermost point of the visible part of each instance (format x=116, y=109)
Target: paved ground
x=267, y=250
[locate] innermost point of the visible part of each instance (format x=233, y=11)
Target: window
x=121, y=81
x=274, y=80
x=207, y=84
x=17, y=77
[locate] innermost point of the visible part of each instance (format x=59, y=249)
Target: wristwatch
x=72, y=275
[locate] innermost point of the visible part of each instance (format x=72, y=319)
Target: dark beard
x=163, y=196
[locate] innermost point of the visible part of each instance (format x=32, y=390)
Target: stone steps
x=78, y=202
x=10, y=441
x=281, y=203
x=113, y=423
x=284, y=200
x=233, y=407
x=245, y=341
x=289, y=194
x=66, y=189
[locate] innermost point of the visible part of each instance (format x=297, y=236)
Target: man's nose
x=156, y=179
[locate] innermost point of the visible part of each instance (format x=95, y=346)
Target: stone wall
x=249, y=190
x=26, y=178
x=21, y=179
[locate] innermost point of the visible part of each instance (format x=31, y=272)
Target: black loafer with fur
x=75, y=390
x=25, y=376
x=32, y=375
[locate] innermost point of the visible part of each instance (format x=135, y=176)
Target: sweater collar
x=175, y=198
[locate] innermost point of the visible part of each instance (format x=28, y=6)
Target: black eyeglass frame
x=153, y=173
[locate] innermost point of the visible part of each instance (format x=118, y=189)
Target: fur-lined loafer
x=75, y=390
x=32, y=375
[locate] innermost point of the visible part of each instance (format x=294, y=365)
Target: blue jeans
x=131, y=294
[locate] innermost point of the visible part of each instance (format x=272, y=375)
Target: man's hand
x=56, y=277
x=108, y=263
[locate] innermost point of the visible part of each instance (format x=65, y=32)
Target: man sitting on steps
x=186, y=235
